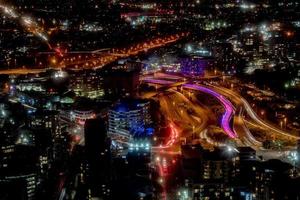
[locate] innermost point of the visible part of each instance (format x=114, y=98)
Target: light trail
x=204, y=135
x=245, y=136
x=162, y=175
x=8, y=11
x=109, y=56
x=251, y=113
x=254, y=116
x=28, y=23
x=229, y=109
x=173, y=137
x=163, y=152
x=240, y=127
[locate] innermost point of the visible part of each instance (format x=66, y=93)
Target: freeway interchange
x=237, y=120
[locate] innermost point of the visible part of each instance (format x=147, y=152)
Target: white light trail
x=28, y=23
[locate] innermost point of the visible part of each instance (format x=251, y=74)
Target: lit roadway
x=241, y=102
x=90, y=60
x=236, y=108
x=188, y=118
x=229, y=109
x=20, y=71
x=98, y=58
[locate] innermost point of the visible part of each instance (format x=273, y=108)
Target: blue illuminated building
x=194, y=60
x=130, y=118
x=193, y=65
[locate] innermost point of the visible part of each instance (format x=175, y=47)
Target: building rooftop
x=128, y=105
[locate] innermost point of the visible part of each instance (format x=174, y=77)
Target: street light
x=231, y=149
x=157, y=159
x=160, y=180
x=53, y=61
x=193, y=134
x=285, y=122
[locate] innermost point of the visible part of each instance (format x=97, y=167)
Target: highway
x=245, y=135
x=229, y=109
x=236, y=107
x=97, y=59
x=241, y=102
x=184, y=118
x=21, y=71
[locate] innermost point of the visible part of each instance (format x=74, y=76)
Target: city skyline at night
x=149, y=100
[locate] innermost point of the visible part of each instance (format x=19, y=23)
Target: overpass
x=229, y=108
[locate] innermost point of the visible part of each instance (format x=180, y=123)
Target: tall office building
x=129, y=118
x=122, y=80
x=46, y=125
x=98, y=157
x=19, y=182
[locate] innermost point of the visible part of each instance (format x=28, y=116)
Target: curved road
x=229, y=109
x=240, y=101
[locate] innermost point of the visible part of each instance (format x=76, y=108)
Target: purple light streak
x=225, y=123
x=229, y=111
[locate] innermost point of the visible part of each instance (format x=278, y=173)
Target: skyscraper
x=97, y=147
